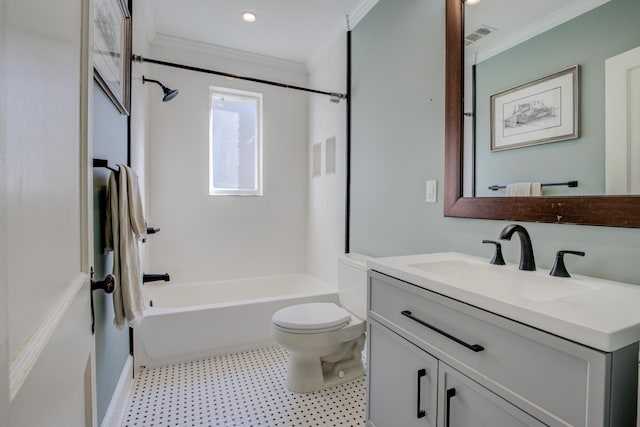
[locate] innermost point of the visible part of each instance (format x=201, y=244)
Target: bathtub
x=188, y=321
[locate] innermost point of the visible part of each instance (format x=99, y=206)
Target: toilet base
x=306, y=373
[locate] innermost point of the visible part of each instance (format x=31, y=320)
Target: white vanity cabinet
x=482, y=369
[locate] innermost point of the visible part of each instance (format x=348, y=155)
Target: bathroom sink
x=503, y=281
x=598, y=313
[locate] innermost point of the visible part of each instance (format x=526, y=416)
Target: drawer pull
x=472, y=347
x=450, y=393
x=421, y=412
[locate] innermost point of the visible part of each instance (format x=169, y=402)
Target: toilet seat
x=312, y=318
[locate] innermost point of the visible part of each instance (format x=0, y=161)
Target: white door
x=622, y=113
x=46, y=366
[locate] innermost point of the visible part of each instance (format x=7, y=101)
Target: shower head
x=169, y=94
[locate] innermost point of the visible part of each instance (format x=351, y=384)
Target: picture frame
x=112, y=51
x=538, y=112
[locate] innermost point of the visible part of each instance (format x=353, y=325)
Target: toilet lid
x=312, y=317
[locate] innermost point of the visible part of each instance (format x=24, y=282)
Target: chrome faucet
x=527, y=262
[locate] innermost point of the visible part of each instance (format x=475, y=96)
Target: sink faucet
x=527, y=262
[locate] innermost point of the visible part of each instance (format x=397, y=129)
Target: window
x=235, y=143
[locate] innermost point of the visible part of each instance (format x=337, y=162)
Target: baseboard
x=118, y=405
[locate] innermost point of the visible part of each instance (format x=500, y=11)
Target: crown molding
x=177, y=43
x=539, y=27
x=359, y=12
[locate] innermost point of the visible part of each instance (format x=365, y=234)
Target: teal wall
x=398, y=143
x=588, y=41
x=112, y=345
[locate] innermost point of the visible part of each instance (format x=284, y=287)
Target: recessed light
x=471, y=2
x=249, y=17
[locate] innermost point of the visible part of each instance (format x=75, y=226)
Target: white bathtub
x=190, y=321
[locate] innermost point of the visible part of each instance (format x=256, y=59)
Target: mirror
x=622, y=211
x=529, y=122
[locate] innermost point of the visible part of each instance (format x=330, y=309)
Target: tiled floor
x=242, y=389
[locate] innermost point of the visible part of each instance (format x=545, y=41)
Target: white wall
x=141, y=45
x=326, y=230
x=4, y=341
x=205, y=237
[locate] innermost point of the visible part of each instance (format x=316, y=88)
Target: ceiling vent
x=479, y=33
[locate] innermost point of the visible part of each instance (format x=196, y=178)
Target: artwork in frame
x=541, y=111
x=112, y=51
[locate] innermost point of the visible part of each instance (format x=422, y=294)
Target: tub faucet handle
x=497, y=256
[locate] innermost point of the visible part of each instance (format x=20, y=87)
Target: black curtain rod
x=138, y=58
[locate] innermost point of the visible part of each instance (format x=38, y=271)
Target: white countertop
x=601, y=314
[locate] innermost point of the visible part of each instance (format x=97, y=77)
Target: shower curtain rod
x=335, y=96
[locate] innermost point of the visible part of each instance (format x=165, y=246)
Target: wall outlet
x=432, y=191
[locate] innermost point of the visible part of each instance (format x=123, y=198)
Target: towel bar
x=550, y=184
x=103, y=163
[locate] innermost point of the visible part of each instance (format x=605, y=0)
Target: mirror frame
x=612, y=211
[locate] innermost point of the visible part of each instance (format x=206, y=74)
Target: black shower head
x=169, y=94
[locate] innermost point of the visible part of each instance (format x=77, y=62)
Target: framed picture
x=112, y=50
x=541, y=111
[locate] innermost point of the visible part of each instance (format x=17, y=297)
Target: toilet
x=325, y=341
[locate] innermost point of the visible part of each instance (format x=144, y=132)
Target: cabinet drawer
x=532, y=369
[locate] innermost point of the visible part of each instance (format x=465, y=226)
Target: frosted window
x=235, y=146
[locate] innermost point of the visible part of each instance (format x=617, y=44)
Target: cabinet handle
x=450, y=393
x=421, y=412
x=472, y=347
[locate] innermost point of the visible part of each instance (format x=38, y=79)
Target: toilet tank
x=352, y=283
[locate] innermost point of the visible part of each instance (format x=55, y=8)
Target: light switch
x=432, y=191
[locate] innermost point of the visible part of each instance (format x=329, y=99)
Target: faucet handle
x=497, y=256
x=559, y=269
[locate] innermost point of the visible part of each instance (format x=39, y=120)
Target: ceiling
x=291, y=30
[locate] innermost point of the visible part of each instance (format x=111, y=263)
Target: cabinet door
x=402, y=381
x=465, y=403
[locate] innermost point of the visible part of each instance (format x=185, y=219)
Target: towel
x=523, y=189
x=125, y=228
x=536, y=189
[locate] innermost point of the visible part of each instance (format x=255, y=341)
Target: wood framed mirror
x=614, y=211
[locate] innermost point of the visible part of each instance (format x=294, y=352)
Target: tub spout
x=155, y=277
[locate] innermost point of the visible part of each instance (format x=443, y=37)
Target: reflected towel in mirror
x=518, y=189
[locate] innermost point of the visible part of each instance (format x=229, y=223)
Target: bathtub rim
x=150, y=311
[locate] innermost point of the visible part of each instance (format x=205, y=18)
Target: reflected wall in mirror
x=622, y=211
x=512, y=42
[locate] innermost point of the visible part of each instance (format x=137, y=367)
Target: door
x=45, y=284
x=465, y=403
x=402, y=381
x=112, y=344
x=622, y=123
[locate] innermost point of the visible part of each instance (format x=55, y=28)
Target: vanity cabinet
x=483, y=369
